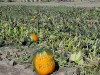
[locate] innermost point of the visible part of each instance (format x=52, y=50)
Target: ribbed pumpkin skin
x=43, y=62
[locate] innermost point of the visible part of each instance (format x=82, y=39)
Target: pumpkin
x=34, y=37
x=43, y=61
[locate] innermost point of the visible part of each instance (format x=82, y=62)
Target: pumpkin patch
x=72, y=33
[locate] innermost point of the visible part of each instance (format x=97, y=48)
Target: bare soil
x=9, y=65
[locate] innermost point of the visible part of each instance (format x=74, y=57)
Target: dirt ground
x=8, y=65
x=69, y=4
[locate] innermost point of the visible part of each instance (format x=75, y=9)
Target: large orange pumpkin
x=43, y=61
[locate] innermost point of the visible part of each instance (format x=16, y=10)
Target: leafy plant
x=77, y=58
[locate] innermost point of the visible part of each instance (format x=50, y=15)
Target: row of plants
x=72, y=33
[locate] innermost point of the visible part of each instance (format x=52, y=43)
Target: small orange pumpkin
x=34, y=37
x=43, y=61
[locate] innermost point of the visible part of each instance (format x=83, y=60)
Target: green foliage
x=77, y=58
x=66, y=29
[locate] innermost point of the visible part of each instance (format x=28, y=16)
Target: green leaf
x=81, y=62
x=77, y=57
x=73, y=57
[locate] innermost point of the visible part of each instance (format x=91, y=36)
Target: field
x=72, y=33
